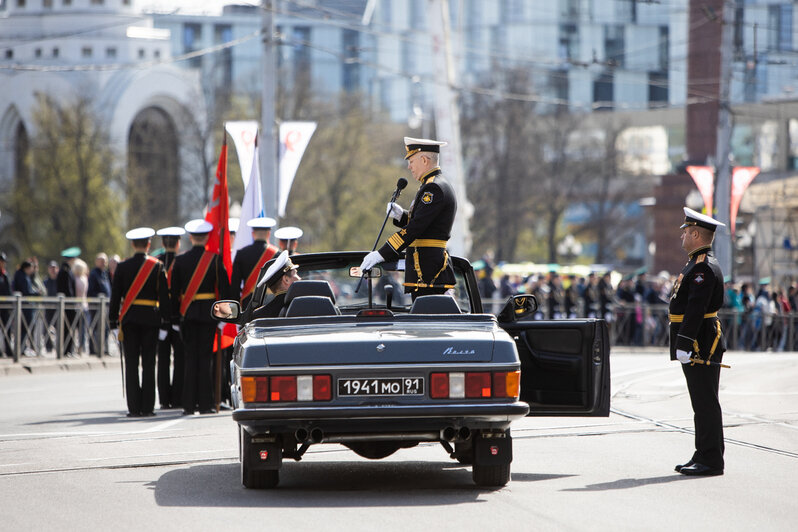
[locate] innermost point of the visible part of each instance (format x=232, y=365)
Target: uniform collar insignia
x=432, y=173
x=700, y=250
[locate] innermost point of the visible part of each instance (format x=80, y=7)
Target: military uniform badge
x=426, y=198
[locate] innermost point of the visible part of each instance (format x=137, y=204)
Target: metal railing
x=54, y=327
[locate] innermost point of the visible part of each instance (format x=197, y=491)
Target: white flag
x=294, y=138
x=243, y=134
x=251, y=207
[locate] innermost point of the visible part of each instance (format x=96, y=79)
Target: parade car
x=353, y=360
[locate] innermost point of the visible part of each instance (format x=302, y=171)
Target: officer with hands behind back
x=170, y=349
x=140, y=305
x=426, y=227
x=251, y=258
x=696, y=340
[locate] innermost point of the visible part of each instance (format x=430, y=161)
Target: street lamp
x=569, y=247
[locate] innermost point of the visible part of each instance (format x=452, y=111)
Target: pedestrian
x=425, y=228
x=51, y=290
x=24, y=286
x=556, y=297
x=113, y=261
x=696, y=340
x=288, y=238
x=198, y=278
x=140, y=307
x=571, y=304
x=277, y=279
x=99, y=285
x=5, y=290
x=170, y=349
x=250, y=259
x=65, y=284
x=81, y=272
x=590, y=297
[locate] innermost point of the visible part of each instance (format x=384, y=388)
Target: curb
x=40, y=367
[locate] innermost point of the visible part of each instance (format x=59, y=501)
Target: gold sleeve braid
x=396, y=241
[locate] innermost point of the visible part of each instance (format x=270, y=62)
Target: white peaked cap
x=288, y=233
x=280, y=266
x=264, y=222
x=198, y=226
x=692, y=217
x=232, y=224
x=171, y=231
x=140, y=233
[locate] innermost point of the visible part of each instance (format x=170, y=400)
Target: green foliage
x=70, y=195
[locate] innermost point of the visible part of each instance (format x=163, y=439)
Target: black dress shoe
x=700, y=470
x=148, y=414
x=133, y=414
x=187, y=413
x=210, y=411
x=679, y=468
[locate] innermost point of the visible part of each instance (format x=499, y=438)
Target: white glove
x=370, y=260
x=683, y=356
x=162, y=334
x=115, y=334
x=176, y=328
x=394, y=211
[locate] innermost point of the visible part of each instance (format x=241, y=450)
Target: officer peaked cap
x=413, y=146
x=692, y=217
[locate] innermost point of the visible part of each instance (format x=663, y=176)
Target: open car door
x=565, y=366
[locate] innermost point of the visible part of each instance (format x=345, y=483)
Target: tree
x=70, y=196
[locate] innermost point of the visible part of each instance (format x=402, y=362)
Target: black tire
x=491, y=476
x=250, y=479
x=464, y=452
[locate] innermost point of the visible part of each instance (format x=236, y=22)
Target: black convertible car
x=354, y=361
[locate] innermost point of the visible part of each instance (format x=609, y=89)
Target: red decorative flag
x=704, y=177
x=741, y=178
x=218, y=213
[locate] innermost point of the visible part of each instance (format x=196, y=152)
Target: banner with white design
x=243, y=134
x=294, y=138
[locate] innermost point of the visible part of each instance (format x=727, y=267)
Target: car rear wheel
x=250, y=478
x=464, y=452
x=491, y=476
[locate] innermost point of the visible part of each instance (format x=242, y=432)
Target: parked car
x=348, y=364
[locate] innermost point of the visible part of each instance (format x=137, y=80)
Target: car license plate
x=381, y=386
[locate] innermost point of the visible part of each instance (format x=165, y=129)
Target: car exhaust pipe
x=464, y=433
x=301, y=435
x=316, y=435
x=448, y=434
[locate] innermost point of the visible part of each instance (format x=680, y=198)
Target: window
x=222, y=33
x=56, y=52
x=85, y=51
x=664, y=48
x=569, y=42
x=37, y=53
x=9, y=54
x=300, y=36
x=780, y=27
x=141, y=53
x=614, y=45
x=47, y=4
x=657, y=88
x=157, y=54
x=67, y=2
x=97, y=2
x=110, y=52
x=351, y=73
x=20, y=3
x=192, y=35
x=603, y=92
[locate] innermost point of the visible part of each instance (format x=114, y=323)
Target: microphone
x=400, y=185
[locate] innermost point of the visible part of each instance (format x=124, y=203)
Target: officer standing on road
x=251, y=258
x=170, y=349
x=198, y=278
x=288, y=238
x=140, y=305
x=426, y=227
x=697, y=342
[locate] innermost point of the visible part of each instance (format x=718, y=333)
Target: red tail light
x=283, y=388
x=439, y=385
x=477, y=384
x=322, y=388
x=500, y=384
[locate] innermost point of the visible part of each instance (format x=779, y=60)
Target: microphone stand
x=387, y=214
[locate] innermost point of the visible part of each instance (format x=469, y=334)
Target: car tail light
x=456, y=385
x=439, y=385
x=283, y=388
x=513, y=382
x=322, y=387
x=254, y=389
x=477, y=384
x=304, y=388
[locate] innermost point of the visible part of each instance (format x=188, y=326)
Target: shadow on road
x=330, y=484
x=103, y=418
x=627, y=483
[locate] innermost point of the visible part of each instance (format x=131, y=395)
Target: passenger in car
x=278, y=278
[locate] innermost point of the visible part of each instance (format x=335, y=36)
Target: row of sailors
x=165, y=303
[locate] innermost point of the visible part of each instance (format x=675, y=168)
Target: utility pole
x=268, y=123
x=723, y=243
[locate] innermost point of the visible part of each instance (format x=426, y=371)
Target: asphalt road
x=70, y=460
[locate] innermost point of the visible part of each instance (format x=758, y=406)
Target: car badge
x=381, y=348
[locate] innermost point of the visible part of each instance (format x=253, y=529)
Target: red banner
x=218, y=213
x=704, y=178
x=741, y=178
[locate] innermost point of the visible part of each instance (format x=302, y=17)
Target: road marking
x=153, y=455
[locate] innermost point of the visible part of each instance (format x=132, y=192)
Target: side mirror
x=517, y=307
x=226, y=310
x=374, y=273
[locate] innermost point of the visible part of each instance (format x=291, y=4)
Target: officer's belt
x=678, y=318
x=428, y=243
x=205, y=295
x=425, y=285
x=145, y=302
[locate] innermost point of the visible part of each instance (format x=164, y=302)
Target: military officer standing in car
x=198, y=278
x=251, y=258
x=140, y=306
x=426, y=227
x=170, y=349
x=696, y=340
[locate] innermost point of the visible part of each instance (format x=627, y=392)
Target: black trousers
x=170, y=379
x=198, y=352
x=703, y=383
x=140, y=343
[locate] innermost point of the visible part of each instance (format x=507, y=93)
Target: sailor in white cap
x=140, y=306
x=425, y=228
x=198, y=278
x=251, y=258
x=170, y=368
x=232, y=227
x=288, y=238
x=279, y=276
x=696, y=340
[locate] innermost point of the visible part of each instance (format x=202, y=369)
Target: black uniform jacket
x=154, y=295
x=214, y=286
x=65, y=281
x=430, y=219
x=696, y=298
x=247, y=260
x=271, y=309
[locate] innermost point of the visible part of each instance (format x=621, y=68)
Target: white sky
x=190, y=6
